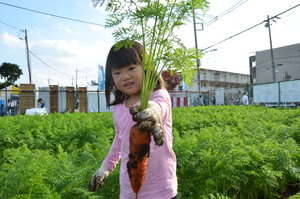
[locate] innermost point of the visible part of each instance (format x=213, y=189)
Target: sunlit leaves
x=222, y=152
x=153, y=23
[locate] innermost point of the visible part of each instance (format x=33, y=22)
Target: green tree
x=10, y=72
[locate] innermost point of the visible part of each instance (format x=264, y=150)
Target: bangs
x=124, y=57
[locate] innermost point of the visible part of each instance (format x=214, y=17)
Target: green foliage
x=238, y=151
x=223, y=152
x=171, y=79
x=54, y=156
x=10, y=73
x=297, y=196
x=154, y=24
x=183, y=61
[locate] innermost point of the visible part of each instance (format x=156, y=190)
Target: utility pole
x=49, y=81
x=76, y=98
x=76, y=79
x=196, y=46
x=28, y=60
x=268, y=25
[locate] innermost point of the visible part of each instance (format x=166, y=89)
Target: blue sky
x=60, y=47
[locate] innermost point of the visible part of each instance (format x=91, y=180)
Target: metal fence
x=64, y=99
x=220, y=96
x=284, y=94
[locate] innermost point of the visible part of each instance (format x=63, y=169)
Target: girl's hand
x=98, y=178
x=149, y=119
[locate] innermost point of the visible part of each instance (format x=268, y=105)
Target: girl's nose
x=126, y=77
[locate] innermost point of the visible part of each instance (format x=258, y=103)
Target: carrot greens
x=154, y=24
x=242, y=152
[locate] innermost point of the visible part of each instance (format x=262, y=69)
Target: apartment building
x=284, y=65
x=213, y=79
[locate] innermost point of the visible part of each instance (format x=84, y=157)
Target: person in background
x=213, y=100
x=245, y=100
x=42, y=103
x=201, y=103
x=2, y=110
x=207, y=101
x=237, y=101
x=8, y=107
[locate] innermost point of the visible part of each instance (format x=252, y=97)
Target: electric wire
x=77, y=7
x=274, y=17
x=225, y=12
x=51, y=66
x=10, y=25
x=208, y=23
x=91, y=23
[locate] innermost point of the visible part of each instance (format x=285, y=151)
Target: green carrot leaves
x=154, y=23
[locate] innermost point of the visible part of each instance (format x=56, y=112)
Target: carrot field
x=228, y=152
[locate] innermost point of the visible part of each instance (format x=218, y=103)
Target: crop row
x=222, y=152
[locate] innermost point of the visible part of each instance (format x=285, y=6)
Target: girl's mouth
x=129, y=84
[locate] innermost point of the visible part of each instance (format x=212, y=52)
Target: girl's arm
x=108, y=165
x=114, y=153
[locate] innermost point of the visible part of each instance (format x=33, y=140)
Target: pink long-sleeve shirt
x=160, y=181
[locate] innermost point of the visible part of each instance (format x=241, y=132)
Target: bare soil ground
x=290, y=190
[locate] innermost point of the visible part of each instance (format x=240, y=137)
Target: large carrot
x=138, y=157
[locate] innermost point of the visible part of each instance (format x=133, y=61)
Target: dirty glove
x=98, y=178
x=149, y=119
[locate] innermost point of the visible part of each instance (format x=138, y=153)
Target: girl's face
x=129, y=79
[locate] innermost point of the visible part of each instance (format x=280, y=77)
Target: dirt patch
x=290, y=190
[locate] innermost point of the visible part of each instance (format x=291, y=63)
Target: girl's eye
x=131, y=68
x=116, y=73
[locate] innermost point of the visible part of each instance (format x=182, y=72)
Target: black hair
x=117, y=59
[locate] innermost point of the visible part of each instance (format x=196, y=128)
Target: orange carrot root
x=138, y=157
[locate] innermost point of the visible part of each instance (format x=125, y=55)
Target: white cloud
x=68, y=31
x=96, y=28
x=58, y=60
x=11, y=41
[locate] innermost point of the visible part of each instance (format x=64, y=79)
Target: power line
x=51, y=66
x=225, y=12
x=276, y=16
x=52, y=15
x=78, y=7
x=11, y=25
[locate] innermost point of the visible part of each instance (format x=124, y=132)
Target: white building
x=213, y=79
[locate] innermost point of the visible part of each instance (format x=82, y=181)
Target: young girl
x=124, y=81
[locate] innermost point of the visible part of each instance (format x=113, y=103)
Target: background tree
x=172, y=80
x=10, y=73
